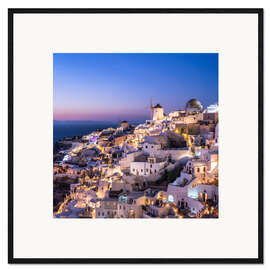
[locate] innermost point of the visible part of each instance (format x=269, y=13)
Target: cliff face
x=61, y=145
x=167, y=140
x=61, y=188
x=175, y=140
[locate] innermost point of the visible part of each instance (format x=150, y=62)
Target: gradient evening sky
x=120, y=86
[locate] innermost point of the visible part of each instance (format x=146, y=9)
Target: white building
x=189, y=182
x=203, y=192
x=158, y=113
x=156, y=210
x=176, y=193
x=147, y=166
x=84, y=197
x=212, y=109
x=194, y=206
x=129, y=157
x=192, y=119
x=196, y=167
x=124, y=125
x=130, y=205
x=121, y=185
x=107, y=208
x=151, y=148
x=192, y=196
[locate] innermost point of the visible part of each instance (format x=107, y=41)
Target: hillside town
x=166, y=167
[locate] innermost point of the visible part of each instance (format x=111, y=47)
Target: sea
x=69, y=129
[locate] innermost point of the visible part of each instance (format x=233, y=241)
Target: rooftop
x=158, y=106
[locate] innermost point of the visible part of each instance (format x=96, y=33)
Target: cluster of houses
x=166, y=167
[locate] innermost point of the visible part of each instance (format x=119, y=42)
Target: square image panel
x=135, y=135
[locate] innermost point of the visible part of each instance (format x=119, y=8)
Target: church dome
x=193, y=104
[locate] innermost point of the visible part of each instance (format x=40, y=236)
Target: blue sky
x=120, y=86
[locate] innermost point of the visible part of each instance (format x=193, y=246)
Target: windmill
x=151, y=108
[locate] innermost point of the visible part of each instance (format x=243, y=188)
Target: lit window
x=170, y=198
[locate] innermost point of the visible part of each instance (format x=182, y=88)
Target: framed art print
x=135, y=135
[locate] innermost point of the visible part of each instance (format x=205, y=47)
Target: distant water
x=63, y=129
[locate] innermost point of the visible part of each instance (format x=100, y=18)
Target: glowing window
x=193, y=193
x=198, y=153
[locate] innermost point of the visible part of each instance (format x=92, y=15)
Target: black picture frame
x=13, y=260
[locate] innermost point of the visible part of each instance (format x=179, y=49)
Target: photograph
x=135, y=123
x=135, y=135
